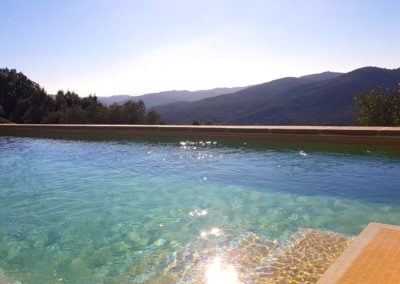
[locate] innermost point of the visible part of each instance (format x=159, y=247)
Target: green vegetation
x=379, y=107
x=196, y=122
x=24, y=101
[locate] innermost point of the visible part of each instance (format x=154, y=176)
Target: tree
x=19, y=95
x=24, y=101
x=2, y=114
x=73, y=115
x=95, y=112
x=379, y=107
x=39, y=106
x=152, y=118
x=52, y=118
x=133, y=112
x=113, y=114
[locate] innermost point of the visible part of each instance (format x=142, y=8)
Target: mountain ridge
x=174, y=96
x=166, y=97
x=286, y=101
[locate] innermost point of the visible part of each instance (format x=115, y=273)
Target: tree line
x=24, y=101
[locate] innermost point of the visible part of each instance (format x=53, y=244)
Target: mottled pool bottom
x=303, y=258
x=130, y=212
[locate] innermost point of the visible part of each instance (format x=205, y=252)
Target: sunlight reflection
x=213, y=232
x=303, y=153
x=184, y=144
x=217, y=273
x=198, y=213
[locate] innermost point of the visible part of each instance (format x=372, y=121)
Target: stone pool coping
x=373, y=257
x=356, y=135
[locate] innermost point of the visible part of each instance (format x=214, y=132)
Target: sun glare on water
x=217, y=273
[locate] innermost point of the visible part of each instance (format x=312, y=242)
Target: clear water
x=89, y=211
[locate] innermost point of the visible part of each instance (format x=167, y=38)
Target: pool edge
x=349, y=135
x=336, y=272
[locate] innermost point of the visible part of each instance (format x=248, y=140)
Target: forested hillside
x=167, y=97
x=320, y=99
x=24, y=101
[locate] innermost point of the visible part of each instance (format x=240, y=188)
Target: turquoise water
x=102, y=211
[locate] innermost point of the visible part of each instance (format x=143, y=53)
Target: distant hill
x=322, y=76
x=114, y=99
x=319, y=99
x=162, y=98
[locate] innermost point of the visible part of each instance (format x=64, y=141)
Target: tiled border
x=385, y=136
x=346, y=259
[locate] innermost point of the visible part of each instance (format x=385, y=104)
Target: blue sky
x=133, y=47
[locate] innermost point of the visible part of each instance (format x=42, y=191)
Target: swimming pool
x=127, y=211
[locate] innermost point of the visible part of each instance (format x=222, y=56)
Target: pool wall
x=374, y=136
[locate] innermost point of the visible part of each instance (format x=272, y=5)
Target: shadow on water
x=311, y=146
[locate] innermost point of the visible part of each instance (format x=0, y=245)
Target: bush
x=379, y=107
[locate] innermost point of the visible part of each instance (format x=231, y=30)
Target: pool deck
x=385, y=136
x=373, y=257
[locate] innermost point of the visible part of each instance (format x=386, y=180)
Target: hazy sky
x=132, y=47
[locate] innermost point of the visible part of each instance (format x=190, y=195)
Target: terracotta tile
x=378, y=262
x=394, y=280
x=391, y=267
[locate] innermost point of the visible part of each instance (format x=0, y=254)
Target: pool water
x=124, y=211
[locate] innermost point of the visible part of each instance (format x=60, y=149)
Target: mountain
x=322, y=76
x=319, y=99
x=162, y=98
x=114, y=99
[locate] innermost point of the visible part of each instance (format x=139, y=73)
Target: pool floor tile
x=373, y=257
